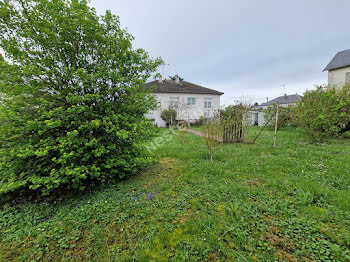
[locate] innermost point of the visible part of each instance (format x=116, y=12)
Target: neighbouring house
x=258, y=112
x=339, y=69
x=191, y=101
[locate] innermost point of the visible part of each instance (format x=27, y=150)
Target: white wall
x=185, y=112
x=336, y=77
x=259, y=116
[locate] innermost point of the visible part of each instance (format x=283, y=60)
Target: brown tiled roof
x=169, y=86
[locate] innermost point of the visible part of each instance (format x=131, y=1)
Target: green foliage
x=235, y=121
x=173, y=78
x=72, y=98
x=199, y=122
x=254, y=203
x=324, y=113
x=284, y=115
x=169, y=116
x=346, y=134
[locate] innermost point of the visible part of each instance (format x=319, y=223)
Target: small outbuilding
x=258, y=112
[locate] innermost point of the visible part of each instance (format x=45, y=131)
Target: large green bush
x=72, y=98
x=324, y=113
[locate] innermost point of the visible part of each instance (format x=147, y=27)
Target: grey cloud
x=247, y=47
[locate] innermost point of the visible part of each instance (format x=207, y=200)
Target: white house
x=258, y=114
x=339, y=69
x=191, y=101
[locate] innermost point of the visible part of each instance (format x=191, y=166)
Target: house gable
x=340, y=60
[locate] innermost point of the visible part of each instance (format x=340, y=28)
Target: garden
x=85, y=176
x=254, y=202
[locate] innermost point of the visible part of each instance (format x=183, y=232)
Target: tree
x=73, y=103
x=173, y=78
x=169, y=116
x=324, y=113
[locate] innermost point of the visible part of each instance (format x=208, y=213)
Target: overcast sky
x=240, y=47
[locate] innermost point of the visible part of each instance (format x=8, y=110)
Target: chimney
x=177, y=79
x=267, y=99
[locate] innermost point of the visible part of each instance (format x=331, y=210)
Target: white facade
x=339, y=77
x=257, y=117
x=189, y=107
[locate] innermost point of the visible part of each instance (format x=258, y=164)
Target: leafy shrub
x=73, y=103
x=235, y=121
x=324, y=113
x=284, y=115
x=169, y=116
x=199, y=122
x=346, y=135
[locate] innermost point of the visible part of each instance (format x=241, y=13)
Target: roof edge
x=203, y=93
x=336, y=68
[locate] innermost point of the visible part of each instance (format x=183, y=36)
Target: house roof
x=286, y=99
x=340, y=60
x=170, y=86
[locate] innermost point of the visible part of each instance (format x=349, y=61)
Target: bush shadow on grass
x=61, y=194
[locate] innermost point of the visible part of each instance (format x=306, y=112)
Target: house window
x=191, y=101
x=173, y=102
x=207, y=103
x=347, y=78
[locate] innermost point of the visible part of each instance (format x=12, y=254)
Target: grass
x=254, y=202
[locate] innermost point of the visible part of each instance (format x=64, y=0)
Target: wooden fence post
x=276, y=124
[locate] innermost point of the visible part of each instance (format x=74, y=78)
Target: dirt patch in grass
x=254, y=183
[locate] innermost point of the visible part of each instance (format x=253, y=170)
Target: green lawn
x=254, y=202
